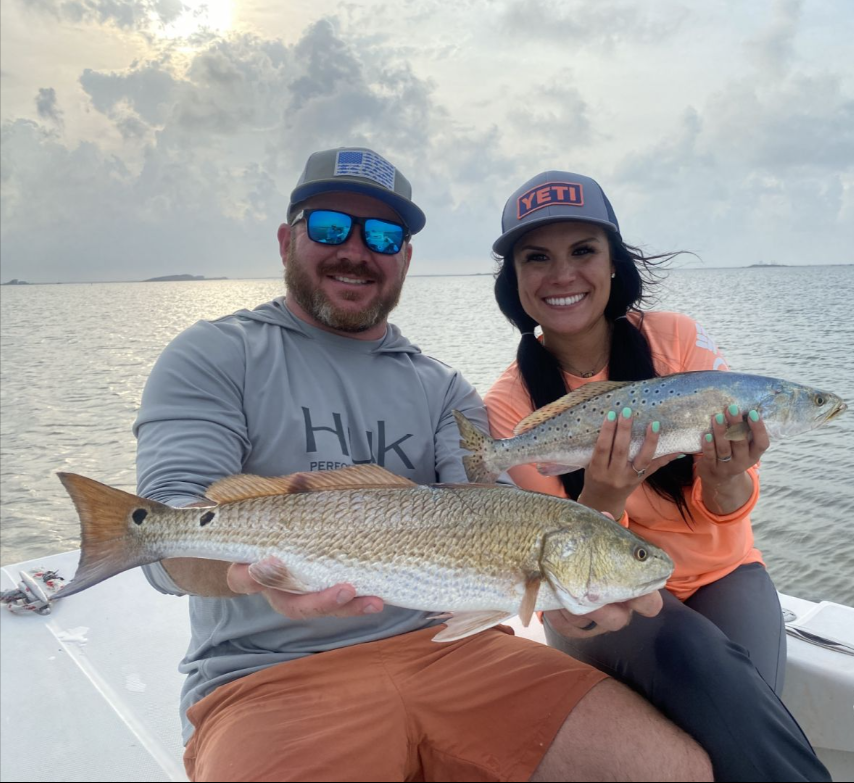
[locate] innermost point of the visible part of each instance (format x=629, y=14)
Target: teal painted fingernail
x=611, y=416
x=719, y=418
x=754, y=416
x=656, y=426
x=733, y=409
x=708, y=437
x=681, y=455
x=627, y=413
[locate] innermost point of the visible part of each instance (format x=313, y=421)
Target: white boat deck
x=90, y=691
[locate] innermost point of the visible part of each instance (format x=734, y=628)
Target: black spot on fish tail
x=205, y=518
x=110, y=535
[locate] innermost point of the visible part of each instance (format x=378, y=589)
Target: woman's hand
x=608, y=618
x=723, y=464
x=611, y=477
x=724, y=459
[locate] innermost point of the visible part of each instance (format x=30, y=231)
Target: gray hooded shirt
x=263, y=392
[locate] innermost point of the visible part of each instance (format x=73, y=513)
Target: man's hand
x=337, y=601
x=612, y=617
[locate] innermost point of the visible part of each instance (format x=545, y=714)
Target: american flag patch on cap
x=357, y=163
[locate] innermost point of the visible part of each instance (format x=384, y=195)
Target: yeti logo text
x=548, y=195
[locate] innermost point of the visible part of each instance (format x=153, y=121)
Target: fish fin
x=567, y=600
x=108, y=543
x=244, y=486
x=272, y=572
x=462, y=624
x=479, y=447
x=738, y=431
x=555, y=468
x=529, y=602
x=582, y=394
x=440, y=616
x=470, y=485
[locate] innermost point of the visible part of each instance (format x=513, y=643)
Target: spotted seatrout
x=484, y=553
x=560, y=437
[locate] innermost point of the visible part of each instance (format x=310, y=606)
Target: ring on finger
x=725, y=459
x=641, y=473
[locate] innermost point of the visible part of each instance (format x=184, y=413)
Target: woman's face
x=564, y=272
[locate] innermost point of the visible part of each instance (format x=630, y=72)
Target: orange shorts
x=405, y=708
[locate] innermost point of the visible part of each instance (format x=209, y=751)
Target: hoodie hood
x=278, y=314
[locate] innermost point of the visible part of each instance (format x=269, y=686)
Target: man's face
x=347, y=288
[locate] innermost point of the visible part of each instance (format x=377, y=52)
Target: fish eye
x=819, y=400
x=641, y=553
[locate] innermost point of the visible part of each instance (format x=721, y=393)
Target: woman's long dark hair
x=630, y=354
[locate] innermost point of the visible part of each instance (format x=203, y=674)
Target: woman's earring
x=613, y=275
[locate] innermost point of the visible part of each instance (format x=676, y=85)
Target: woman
x=713, y=659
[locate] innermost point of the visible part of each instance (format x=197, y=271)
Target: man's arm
x=191, y=431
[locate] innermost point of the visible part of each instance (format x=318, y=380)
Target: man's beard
x=316, y=303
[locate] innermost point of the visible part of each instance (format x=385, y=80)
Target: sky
x=153, y=137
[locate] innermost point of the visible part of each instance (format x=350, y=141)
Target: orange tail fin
x=109, y=543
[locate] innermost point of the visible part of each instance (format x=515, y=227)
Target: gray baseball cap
x=551, y=197
x=357, y=170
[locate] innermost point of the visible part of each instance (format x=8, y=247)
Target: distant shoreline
x=179, y=278
x=203, y=279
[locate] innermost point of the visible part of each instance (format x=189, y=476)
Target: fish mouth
x=840, y=408
x=594, y=598
x=654, y=584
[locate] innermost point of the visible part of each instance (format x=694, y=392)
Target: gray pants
x=714, y=665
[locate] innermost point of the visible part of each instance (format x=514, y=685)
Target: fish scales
x=347, y=534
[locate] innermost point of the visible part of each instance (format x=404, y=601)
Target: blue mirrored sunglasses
x=329, y=227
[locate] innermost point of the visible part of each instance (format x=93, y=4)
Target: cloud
x=219, y=143
x=124, y=14
x=149, y=90
x=47, y=107
x=802, y=121
x=773, y=50
x=763, y=166
x=605, y=23
x=183, y=159
x=553, y=118
x=758, y=166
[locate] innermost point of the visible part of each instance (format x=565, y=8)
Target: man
x=330, y=685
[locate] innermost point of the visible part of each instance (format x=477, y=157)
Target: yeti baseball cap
x=357, y=170
x=551, y=197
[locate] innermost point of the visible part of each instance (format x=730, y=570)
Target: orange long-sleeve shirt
x=704, y=549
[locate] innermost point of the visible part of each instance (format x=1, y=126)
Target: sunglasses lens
x=383, y=237
x=328, y=227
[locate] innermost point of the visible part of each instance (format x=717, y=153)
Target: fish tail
x=480, y=446
x=110, y=543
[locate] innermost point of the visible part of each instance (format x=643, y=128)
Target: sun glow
x=199, y=15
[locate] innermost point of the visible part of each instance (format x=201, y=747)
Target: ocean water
x=75, y=359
